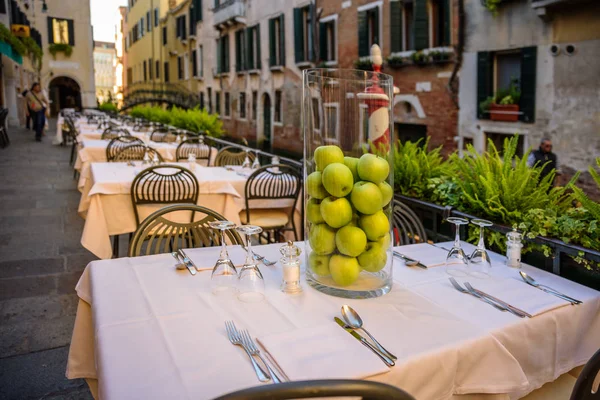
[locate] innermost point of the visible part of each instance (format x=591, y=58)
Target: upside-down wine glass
x=246, y=164
x=256, y=162
x=480, y=264
x=251, y=285
x=224, y=274
x=457, y=262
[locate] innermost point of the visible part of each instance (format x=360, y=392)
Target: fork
x=249, y=343
x=236, y=339
x=463, y=290
x=512, y=309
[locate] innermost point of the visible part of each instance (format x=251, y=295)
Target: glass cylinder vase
x=348, y=181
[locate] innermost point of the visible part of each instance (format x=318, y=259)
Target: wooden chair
x=196, y=146
x=272, y=182
x=159, y=233
x=232, y=155
x=408, y=229
x=118, y=143
x=367, y=390
x=136, y=152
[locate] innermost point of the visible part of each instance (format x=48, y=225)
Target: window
x=150, y=74
x=218, y=102
x=157, y=69
x=417, y=25
x=129, y=76
x=201, y=100
x=181, y=29
x=254, y=104
x=2, y=7
x=253, y=47
x=145, y=71
x=277, y=41
x=332, y=122
x=148, y=22
x=61, y=31
x=240, y=50
x=166, y=71
x=498, y=140
x=303, y=34
x=496, y=71
x=180, y=67
x=227, y=105
x=223, y=54
x=439, y=23
x=316, y=115
x=277, y=116
x=186, y=66
x=328, y=39
x=194, y=63
x=164, y=35
x=369, y=28
x=209, y=95
x=200, y=62
x=141, y=28
x=156, y=17
x=242, y=106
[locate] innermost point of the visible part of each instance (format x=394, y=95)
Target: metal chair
x=118, y=143
x=367, y=390
x=159, y=233
x=112, y=132
x=232, y=155
x=408, y=229
x=272, y=182
x=136, y=152
x=584, y=386
x=196, y=146
x=163, y=184
x=163, y=135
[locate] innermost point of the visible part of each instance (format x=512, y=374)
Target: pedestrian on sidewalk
x=38, y=104
x=544, y=158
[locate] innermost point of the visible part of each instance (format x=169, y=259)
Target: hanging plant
x=35, y=52
x=7, y=36
x=491, y=5
x=65, y=48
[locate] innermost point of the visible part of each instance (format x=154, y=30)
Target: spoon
x=409, y=262
x=352, y=319
x=179, y=264
x=528, y=279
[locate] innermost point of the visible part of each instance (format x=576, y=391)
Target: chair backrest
x=367, y=390
x=112, y=132
x=136, y=152
x=160, y=233
x=232, y=155
x=584, y=386
x=408, y=229
x=118, y=143
x=164, y=184
x=163, y=135
x=196, y=146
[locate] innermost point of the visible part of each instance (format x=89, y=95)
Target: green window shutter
x=272, y=42
x=363, y=34
x=282, y=40
x=396, y=26
x=238, y=51
x=71, y=29
x=446, y=39
x=299, y=35
x=198, y=10
x=258, y=64
x=226, y=52
x=485, y=85
x=375, y=13
x=219, y=64
x=323, y=41
x=50, y=31
x=249, y=48
x=528, y=72
x=421, y=24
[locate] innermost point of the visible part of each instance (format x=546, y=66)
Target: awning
x=8, y=51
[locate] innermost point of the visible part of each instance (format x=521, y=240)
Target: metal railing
x=171, y=93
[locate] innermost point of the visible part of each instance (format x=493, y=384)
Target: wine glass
x=457, y=262
x=246, y=164
x=224, y=274
x=480, y=263
x=251, y=285
x=256, y=163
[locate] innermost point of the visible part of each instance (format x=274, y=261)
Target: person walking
x=544, y=157
x=38, y=104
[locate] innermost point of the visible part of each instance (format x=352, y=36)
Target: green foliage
x=35, y=52
x=509, y=95
x=108, y=107
x=194, y=120
x=439, y=56
x=396, y=61
x=591, y=206
x=364, y=64
x=60, y=48
x=7, y=36
x=418, y=57
x=492, y=6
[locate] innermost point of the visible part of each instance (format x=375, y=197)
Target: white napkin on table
x=427, y=254
x=322, y=352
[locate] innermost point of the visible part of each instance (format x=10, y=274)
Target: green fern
x=590, y=205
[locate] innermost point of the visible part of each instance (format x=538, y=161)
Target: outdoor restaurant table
x=146, y=330
x=107, y=208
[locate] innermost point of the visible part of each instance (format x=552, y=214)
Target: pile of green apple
x=348, y=230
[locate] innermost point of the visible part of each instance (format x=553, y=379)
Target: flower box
x=504, y=112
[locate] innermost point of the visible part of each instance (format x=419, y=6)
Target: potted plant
x=64, y=48
x=396, y=61
x=504, y=105
x=419, y=58
x=439, y=56
x=364, y=64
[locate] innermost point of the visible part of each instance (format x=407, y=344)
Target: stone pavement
x=41, y=260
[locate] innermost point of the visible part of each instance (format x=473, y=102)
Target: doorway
x=64, y=93
x=267, y=125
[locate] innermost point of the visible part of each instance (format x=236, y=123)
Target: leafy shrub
x=7, y=36
x=396, y=61
x=418, y=57
x=591, y=206
x=195, y=120
x=60, y=48
x=108, y=107
x=364, y=64
x=35, y=52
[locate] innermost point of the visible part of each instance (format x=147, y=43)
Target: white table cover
x=145, y=330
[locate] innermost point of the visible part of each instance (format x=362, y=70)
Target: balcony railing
x=229, y=11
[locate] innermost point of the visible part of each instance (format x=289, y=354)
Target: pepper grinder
x=291, y=268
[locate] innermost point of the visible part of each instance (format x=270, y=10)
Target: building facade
x=120, y=55
x=105, y=63
x=550, y=52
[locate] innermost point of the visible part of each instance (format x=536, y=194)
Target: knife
x=186, y=261
x=411, y=260
x=388, y=361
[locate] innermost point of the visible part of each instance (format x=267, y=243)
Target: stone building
x=105, y=64
x=120, y=55
x=550, y=50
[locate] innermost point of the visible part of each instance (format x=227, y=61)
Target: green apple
x=385, y=241
x=337, y=212
x=350, y=241
x=344, y=270
x=352, y=163
x=373, y=259
x=375, y=225
x=313, y=212
x=314, y=186
x=337, y=179
x=366, y=197
x=325, y=155
x=353, y=221
x=322, y=239
x=386, y=192
x=319, y=264
x=373, y=168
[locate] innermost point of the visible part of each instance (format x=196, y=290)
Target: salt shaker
x=291, y=268
x=513, y=249
x=192, y=161
x=275, y=161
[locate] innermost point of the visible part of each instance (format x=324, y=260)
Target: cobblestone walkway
x=41, y=260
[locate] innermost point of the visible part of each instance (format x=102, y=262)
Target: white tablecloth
x=146, y=330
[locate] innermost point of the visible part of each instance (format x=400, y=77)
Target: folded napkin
x=322, y=352
x=428, y=255
x=519, y=294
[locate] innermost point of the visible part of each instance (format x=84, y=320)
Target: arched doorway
x=267, y=125
x=64, y=93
